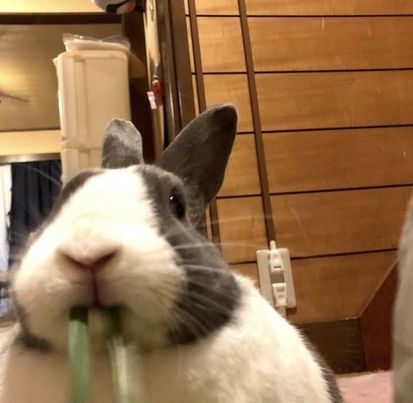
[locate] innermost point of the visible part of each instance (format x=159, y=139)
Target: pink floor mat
x=367, y=388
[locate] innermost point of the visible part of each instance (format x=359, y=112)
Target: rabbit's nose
x=89, y=257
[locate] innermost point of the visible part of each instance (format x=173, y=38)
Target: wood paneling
x=249, y=270
x=281, y=44
x=221, y=44
x=30, y=142
x=336, y=159
x=242, y=228
x=340, y=222
x=304, y=81
x=329, y=7
x=339, y=343
x=28, y=74
x=215, y=7
x=231, y=88
x=329, y=100
x=337, y=287
x=241, y=176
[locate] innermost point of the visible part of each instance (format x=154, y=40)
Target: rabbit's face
x=124, y=237
x=103, y=247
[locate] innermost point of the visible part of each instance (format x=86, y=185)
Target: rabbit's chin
x=53, y=336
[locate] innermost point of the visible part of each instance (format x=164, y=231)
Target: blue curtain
x=35, y=187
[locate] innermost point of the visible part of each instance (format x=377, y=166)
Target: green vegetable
x=79, y=361
x=119, y=360
x=79, y=358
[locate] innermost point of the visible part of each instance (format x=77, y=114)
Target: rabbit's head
x=126, y=235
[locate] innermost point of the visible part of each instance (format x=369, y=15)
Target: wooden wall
x=333, y=85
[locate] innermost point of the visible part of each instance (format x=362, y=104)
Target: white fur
x=111, y=211
x=257, y=358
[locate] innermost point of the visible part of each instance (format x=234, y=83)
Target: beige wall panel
x=242, y=228
x=215, y=7
x=221, y=44
x=281, y=44
x=329, y=100
x=231, y=88
x=249, y=270
x=336, y=159
x=241, y=175
x=314, y=224
x=329, y=7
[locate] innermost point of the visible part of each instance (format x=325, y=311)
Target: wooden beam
x=376, y=323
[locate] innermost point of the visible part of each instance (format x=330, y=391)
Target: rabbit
x=127, y=235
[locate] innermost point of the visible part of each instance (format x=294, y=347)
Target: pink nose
x=89, y=258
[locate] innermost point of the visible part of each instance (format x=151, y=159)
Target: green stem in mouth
x=79, y=358
x=79, y=361
x=119, y=359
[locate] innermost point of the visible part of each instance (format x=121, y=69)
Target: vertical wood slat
x=213, y=210
x=172, y=115
x=182, y=62
x=133, y=28
x=262, y=170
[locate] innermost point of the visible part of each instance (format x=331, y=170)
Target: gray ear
x=199, y=155
x=122, y=145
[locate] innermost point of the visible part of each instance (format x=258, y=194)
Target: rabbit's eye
x=177, y=206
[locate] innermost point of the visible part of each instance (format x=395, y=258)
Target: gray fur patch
x=199, y=156
x=211, y=294
x=122, y=145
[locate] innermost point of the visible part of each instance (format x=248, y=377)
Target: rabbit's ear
x=122, y=145
x=199, y=155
